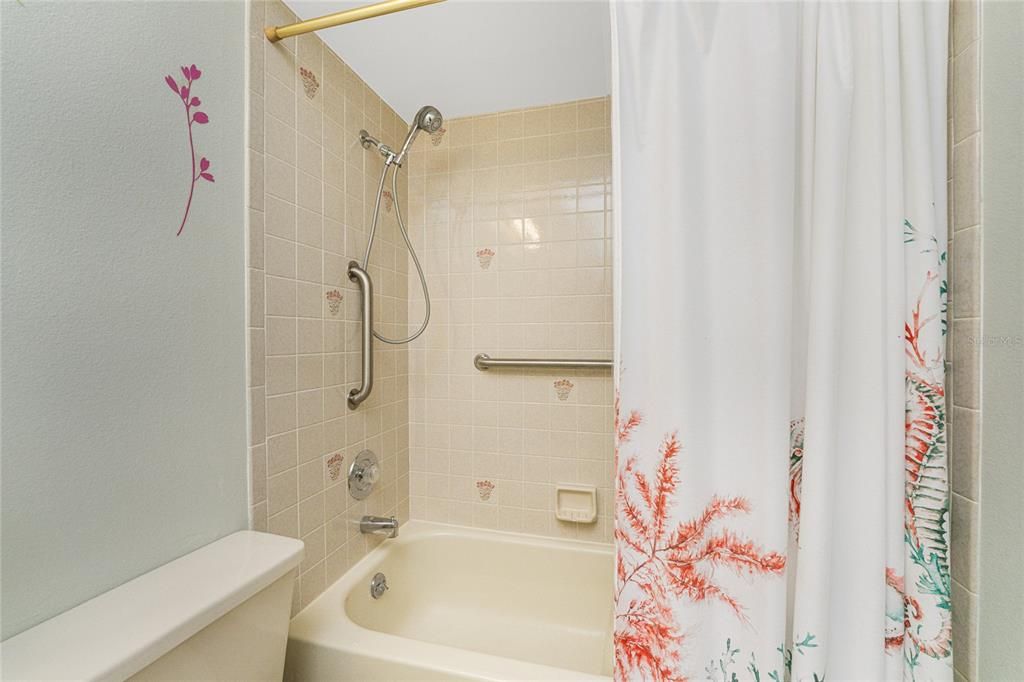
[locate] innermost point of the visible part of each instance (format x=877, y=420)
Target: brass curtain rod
x=276, y=33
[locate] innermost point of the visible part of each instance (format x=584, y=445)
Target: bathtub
x=462, y=604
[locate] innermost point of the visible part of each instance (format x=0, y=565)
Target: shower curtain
x=781, y=477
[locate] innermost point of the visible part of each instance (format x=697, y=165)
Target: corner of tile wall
x=963, y=341
x=311, y=190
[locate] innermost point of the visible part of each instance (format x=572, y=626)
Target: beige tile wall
x=511, y=214
x=964, y=394
x=311, y=191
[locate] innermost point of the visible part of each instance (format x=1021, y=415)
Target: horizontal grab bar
x=483, y=362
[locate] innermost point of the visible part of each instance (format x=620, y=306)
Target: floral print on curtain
x=782, y=503
x=924, y=628
x=662, y=561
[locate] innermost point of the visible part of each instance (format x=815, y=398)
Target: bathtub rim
x=325, y=621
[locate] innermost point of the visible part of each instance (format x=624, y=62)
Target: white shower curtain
x=782, y=504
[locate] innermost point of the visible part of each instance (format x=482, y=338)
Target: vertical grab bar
x=362, y=278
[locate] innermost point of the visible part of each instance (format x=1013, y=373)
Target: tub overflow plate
x=378, y=586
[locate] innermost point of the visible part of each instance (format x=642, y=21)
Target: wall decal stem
x=184, y=92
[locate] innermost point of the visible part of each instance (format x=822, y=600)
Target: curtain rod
x=276, y=33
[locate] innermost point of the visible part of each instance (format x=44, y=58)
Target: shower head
x=428, y=118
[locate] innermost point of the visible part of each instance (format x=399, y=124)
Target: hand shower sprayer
x=428, y=118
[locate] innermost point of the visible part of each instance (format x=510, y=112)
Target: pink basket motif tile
x=563, y=387
x=485, y=256
x=484, y=489
x=334, y=298
x=334, y=466
x=310, y=84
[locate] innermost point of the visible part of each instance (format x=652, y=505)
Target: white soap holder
x=576, y=503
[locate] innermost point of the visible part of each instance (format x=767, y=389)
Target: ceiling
x=476, y=56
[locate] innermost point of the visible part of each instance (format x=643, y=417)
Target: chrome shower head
x=428, y=118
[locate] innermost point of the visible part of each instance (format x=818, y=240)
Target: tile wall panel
x=311, y=189
x=964, y=341
x=511, y=214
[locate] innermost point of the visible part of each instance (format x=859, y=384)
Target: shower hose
x=408, y=244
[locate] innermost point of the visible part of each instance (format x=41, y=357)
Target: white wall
x=471, y=57
x=123, y=406
x=1001, y=544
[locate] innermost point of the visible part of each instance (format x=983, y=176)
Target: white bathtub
x=462, y=604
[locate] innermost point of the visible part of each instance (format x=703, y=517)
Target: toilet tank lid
x=120, y=632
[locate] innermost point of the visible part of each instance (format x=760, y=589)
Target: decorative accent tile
x=437, y=136
x=484, y=489
x=309, y=82
x=484, y=256
x=563, y=387
x=334, y=298
x=389, y=200
x=334, y=466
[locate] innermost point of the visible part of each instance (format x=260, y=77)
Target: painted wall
x=312, y=192
x=511, y=213
x=1001, y=543
x=496, y=55
x=123, y=414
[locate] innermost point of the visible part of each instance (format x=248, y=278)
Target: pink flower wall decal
x=184, y=92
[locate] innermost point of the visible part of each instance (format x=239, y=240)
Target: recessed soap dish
x=576, y=503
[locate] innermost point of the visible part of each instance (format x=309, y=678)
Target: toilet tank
x=218, y=613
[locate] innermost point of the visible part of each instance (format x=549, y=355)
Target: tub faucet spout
x=379, y=525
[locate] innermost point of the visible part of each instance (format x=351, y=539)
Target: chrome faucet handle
x=369, y=475
x=363, y=474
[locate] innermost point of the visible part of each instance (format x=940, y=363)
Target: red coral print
x=937, y=646
x=184, y=92
x=660, y=561
x=796, y=472
x=930, y=630
x=624, y=427
x=894, y=634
